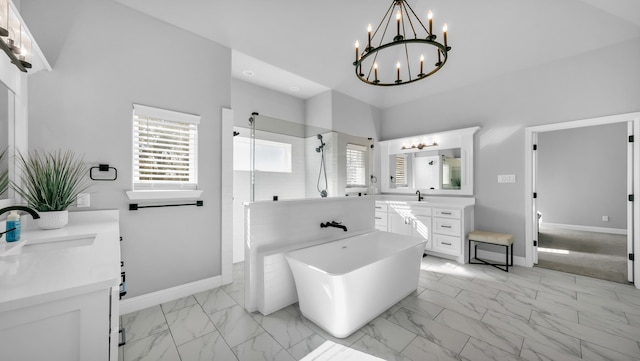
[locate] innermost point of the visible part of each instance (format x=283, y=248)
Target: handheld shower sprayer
x=321, y=147
x=323, y=169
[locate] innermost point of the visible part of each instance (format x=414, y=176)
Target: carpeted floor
x=597, y=255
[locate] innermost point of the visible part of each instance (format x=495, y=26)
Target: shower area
x=278, y=160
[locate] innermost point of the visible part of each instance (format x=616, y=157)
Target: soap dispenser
x=13, y=227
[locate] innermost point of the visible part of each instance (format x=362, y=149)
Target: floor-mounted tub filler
x=344, y=284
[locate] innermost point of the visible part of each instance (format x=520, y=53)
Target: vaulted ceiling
x=306, y=47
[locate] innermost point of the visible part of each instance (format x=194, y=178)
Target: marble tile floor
x=459, y=312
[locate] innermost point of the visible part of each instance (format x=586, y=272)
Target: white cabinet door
x=399, y=224
x=421, y=227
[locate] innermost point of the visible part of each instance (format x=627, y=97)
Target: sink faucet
x=420, y=197
x=333, y=224
x=31, y=211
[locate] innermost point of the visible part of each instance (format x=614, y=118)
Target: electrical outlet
x=605, y=218
x=506, y=178
x=83, y=200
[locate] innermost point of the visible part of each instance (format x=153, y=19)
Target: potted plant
x=50, y=183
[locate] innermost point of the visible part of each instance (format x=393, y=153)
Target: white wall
x=106, y=57
x=598, y=83
x=582, y=176
x=247, y=98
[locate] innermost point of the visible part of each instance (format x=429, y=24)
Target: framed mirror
x=7, y=149
x=440, y=163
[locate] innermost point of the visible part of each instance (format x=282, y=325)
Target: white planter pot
x=53, y=220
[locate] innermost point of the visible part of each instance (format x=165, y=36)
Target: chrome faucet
x=333, y=224
x=420, y=197
x=31, y=211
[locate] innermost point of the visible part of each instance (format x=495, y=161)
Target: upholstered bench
x=500, y=239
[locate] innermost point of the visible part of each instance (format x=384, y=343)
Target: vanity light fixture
x=406, y=48
x=419, y=146
x=15, y=41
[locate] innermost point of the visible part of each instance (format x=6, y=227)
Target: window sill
x=159, y=195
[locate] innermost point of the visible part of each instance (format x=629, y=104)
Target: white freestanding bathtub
x=344, y=284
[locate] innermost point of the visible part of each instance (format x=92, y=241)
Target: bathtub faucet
x=333, y=224
x=420, y=197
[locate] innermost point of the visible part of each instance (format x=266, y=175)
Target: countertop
x=428, y=201
x=42, y=271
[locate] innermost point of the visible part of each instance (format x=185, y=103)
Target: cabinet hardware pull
x=444, y=226
x=445, y=243
x=447, y=213
x=378, y=217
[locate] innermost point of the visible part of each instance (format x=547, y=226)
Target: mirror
x=6, y=141
x=439, y=163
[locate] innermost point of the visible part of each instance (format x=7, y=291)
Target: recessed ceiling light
x=294, y=89
x=248, y=72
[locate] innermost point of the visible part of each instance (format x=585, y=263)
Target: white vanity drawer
x=381, y=207
x=446, y=244
x=381, y=218
x=446, y=213
x=446, y=226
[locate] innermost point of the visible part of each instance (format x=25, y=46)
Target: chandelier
x=405, y=48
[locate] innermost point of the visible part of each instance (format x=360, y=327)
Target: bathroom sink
x=56, y=243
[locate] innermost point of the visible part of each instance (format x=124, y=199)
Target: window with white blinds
x=165, y=152
x=356, y=166
x=401, y=171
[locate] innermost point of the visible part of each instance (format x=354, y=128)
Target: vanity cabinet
x=60, y=292
x=443, y=226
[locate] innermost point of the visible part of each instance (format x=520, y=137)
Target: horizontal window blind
x=401, y=171
x=164, y=149
x=356, y=166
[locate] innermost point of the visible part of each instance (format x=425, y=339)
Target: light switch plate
x=506, y=178
x=83, y=200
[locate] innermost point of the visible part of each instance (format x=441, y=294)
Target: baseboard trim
x=499, y=257
x=169, y=294
x=586, y=228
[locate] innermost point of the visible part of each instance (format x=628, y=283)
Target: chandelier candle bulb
x=398, y=67
x=357, y=45
x=430, y=17
x=369, y=36
x=398, y=16
x=375, y=70
x=444, y=31
x=421, y=63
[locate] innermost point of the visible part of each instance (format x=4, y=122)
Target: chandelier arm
x=417, y=18
x=406, y=52
x=404, y=5
x=385, y=28
x=382, y=20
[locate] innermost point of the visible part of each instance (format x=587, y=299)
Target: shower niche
x=439, y=163
x=275, y=159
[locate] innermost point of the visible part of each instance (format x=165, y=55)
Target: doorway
x=567, y=226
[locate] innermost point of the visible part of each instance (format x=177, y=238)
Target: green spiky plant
x=51, y=181
x=4, y=174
